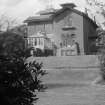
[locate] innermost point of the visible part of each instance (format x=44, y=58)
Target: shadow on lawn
x=59, y=85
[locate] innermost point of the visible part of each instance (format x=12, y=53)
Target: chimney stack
x=68, y=5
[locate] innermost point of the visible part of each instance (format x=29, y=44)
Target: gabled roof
x=77, y=12
x=49, y=14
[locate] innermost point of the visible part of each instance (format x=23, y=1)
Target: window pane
x=41, y=41
x=35, y=41
x=30, y=42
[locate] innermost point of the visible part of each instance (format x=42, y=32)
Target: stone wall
x=68, y=62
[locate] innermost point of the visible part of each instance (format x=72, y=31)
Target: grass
x=70, y=81
x=71, y=87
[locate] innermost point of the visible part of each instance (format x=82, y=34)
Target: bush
x=101, y=51
x=18, y=80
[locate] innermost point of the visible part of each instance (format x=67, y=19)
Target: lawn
x=71, y=87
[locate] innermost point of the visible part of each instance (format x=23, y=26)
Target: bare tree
x=6, y=23
x=101, y=8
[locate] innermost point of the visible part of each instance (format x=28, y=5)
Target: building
x=72, y=31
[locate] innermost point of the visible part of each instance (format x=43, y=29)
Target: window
x=41, y=41
x=68, y=21
x=30, y=40
x=35, y=41
x=73, y=35
x=65, y=43
x=48, y=28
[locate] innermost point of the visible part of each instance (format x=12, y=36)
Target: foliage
x=99, y=9
x=11, y=43
x=6, y=23
x=101, y=33
x=18, y=80
x=101, y=45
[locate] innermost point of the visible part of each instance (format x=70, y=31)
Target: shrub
x=18, y=80
x=101, y=51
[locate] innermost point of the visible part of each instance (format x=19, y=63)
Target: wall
x=89, y=31
x=77, y=21
x=35, y=27
x=68, y=62
x=31, y=28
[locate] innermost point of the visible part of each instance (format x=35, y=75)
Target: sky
x=21, y=9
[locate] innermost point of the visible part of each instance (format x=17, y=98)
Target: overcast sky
x=21, y=9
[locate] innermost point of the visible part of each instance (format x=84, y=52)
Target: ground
x=72, y=87
x=70, y=81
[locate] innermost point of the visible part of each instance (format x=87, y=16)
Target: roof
x=78, y=12
x=49, y=14
x=39, y=18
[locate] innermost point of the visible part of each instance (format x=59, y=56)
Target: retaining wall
x=68, y=62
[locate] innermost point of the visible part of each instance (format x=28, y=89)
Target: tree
x=101, y=36
x=100, y=10
x=19, y=80
x=6, y=23
x=101, y=46
x=98, y=7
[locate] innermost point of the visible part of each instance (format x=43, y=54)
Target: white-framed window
x=39, y=41
x=69, y=21
x=42, y=41
x=35, y=42
x=31, y=41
